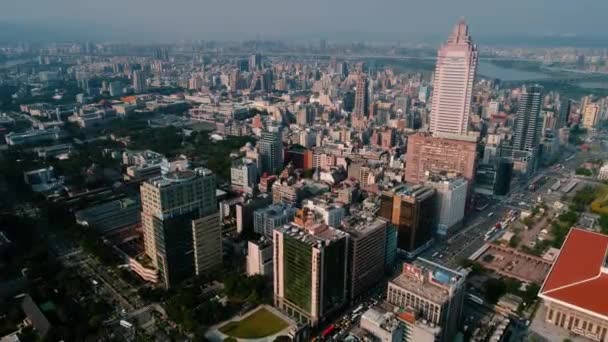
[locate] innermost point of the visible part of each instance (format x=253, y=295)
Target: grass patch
x=600, y=204
x=261, y=323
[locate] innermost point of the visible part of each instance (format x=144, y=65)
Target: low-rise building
x=574, y=292
x=110, y=216
x=273, y=216
x=244, y=175
x=388, y=323
x=43, y=180
x=34, y=137
x=434, y=291
x=603, y=173
x=331, y=213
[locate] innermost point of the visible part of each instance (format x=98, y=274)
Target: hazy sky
x=274, y=18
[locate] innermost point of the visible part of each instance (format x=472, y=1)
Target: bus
x=475, y=299
x=328, y=331
x=357, y=310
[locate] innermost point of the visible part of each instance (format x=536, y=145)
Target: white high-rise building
x=450, y=202
x=453, y=83
x=139, y=82
x=244, y=174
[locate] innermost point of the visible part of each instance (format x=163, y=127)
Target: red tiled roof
x=408, y=316
x=576, y=277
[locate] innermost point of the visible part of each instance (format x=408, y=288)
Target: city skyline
x=163, y=181
x=190, y=19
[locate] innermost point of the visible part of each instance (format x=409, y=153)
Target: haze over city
x=420, y=21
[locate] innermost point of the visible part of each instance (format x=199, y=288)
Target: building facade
x=591, y=114
x=270, y=148
x=367, y=252
x=182, y=235
x=453, y=83
x=259, y=258
x=310, y=271
x=435, y=292
x=450, y=202
x=427, y=154
x=527, y=129
x=573, y=293
x=411, y=210
x=265, y=220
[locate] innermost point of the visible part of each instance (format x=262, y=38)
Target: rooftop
x=429, y=280
x=411, y=190
x=579, y=276
x=316, y=234
x=176, y=177
x=361, y=225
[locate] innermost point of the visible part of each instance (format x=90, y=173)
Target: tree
x=569, y=217
x=531, y=292
x=514, y=241
x=604, y=223
x=583, y=172
x=494, y=288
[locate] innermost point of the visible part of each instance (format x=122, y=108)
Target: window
x=550, y=315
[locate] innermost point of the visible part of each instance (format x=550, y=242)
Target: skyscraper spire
x=460, y=33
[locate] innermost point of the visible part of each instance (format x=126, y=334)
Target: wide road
x=470, y=238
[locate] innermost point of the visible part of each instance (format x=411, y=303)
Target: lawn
x=600, y=204
x=261, y=323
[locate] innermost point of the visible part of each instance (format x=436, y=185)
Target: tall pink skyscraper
x=453, y=83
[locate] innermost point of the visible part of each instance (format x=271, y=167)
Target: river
x=491, y=70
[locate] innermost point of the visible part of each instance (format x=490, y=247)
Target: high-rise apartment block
x=411, y=210
x=139, y=82
x=367, y=250
x=527, y=130
x=453, y=83
x=360, y=109
x=310, y=271
x=435, y=292
x=182, y=234
x=255, y=62
x=270, y=147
